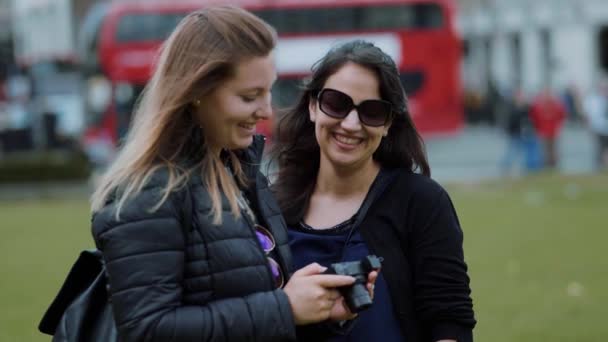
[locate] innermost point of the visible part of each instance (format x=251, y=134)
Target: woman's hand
x=341, y=312
x=371, y=282
x=313, y=295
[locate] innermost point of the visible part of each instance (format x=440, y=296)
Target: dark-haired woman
x=353, y=180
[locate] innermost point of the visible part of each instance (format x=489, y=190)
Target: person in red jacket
x=547, y=114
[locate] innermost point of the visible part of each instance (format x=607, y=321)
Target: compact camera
x=356, y=296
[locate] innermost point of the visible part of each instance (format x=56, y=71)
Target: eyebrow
x=253, y=89
x=257, y=89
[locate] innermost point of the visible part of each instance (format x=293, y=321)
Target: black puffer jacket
x=200, y=283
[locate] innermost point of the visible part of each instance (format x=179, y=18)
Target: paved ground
x=475, y=154
x=470, y=156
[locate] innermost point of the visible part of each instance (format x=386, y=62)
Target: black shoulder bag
x=82, y=310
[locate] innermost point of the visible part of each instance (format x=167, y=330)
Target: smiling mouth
x=347, y=140
x=248, y=127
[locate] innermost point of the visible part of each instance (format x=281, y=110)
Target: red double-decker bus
x=419, y=35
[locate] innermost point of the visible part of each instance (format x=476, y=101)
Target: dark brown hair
x=296, y=151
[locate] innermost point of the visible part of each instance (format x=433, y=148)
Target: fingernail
x=323, y=268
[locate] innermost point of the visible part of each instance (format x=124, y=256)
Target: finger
x=310, y=269
x=349, y=314
x=331, y=281
x=340, y=312
x=372, y=277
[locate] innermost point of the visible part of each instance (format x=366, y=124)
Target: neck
x=345, y=181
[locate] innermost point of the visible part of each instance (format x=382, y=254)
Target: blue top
x=378, y=323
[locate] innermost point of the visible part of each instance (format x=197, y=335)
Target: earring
x=385, y=134
x=197, y=103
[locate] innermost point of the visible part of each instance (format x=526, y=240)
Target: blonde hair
x=200, y=54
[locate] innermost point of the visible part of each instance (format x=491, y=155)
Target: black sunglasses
x=336, y=104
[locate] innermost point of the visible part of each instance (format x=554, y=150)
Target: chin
x=242, y=144
x=356, y=159
x=343, y=162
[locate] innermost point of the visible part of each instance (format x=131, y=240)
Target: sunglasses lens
x=335, y=103
x=276, y=272
x=266, y=240
x=374, y=112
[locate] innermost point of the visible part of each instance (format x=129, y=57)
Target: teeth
x=345, y=140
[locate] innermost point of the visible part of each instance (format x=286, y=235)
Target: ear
x=312, y=109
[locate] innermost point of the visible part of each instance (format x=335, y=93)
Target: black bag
x=81, y=311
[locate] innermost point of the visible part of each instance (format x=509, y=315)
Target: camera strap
x=384, y=178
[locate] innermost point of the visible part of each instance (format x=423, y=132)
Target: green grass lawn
x=40, y=241
x=534, y=249
x=537, y=259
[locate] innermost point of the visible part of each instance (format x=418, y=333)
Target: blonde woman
x=194, y=244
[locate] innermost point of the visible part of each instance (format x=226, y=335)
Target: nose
x=351, y=122
x=265, y=110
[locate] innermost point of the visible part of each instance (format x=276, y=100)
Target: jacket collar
x=252, y=156
x=255, y=151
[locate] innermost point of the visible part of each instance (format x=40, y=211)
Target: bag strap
x=382, y=181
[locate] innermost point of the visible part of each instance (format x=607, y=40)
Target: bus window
x=142, y=27
x=412, y=81
x=348, y=19
x=418, y=16
x=88, y=38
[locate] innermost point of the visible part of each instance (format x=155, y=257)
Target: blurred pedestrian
x=520, y=135
x=218, y=272
x=3, y=96
x=572, y=102
x=494, y=102
x=473, y=106
x=596, y=117
x=353, y=179
x=548, y=113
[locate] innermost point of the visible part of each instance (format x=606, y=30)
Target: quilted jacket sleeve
x=145, y=254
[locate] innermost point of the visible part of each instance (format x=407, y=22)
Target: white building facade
x=534, y=44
